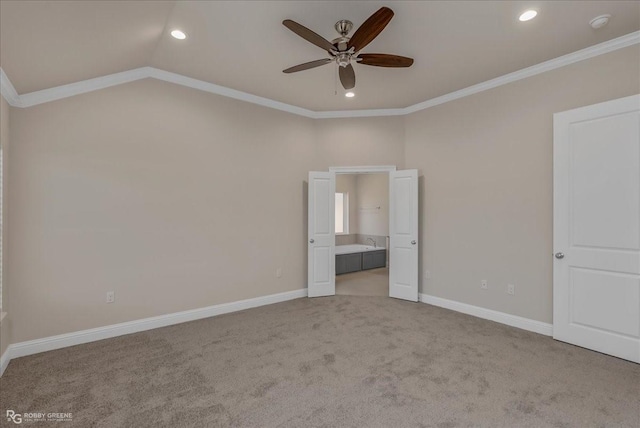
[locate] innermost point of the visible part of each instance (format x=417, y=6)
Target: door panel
x=604, y=188
x=403, y=235
x=597, y=227
x=321, y=264
x=610, y=308
x=321, y=239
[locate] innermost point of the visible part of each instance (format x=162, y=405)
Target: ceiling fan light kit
x=345, y=50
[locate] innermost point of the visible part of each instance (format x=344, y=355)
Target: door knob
x=559, y=255
x=312, y=241
x=413, y=242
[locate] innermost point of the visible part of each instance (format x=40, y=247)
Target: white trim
x=586, y=53
x=31, y=347
x=36, y=346
x=8, y=91
x=59, y=92
x=343, y=114
x=4, y=361
x=46, y=95
x=362, y=169
x=488, y=314
x=179, y=79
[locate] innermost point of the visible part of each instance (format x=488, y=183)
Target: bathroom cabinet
x=346, y=263
x=374, y=259
x=354, y=262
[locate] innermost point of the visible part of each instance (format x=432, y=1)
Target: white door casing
x=321, y=231
x=596, y=275
x=403, y=234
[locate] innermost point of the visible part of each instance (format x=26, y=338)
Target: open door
x=403, y=234
x=321, y=241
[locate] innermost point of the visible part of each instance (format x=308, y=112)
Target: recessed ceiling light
x=350, y=95
x=528, y=15
x=177, y=34
x=599, y=21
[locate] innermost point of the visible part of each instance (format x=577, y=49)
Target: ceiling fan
x=346, y=50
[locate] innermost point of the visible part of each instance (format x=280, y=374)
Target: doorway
x=401, y=244
x=362, y=234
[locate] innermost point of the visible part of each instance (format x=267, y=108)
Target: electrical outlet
x=511, y=289
x=278, y=272
x=111, y=296
x=483, y=284
x=427, y=274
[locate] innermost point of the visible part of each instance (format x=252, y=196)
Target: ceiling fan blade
x=385, y=60
x=308, y=35
x=308, y=65
x=347, y=76
x=370, y=28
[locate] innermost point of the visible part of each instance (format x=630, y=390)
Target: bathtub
x=357, y=257
x=355, y=248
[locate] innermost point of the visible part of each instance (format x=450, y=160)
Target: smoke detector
x=599, y=21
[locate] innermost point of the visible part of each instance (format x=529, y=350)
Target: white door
x=321, y=240
x=403, y=234
x=596, y=275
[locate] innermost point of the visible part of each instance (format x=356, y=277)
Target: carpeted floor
x=371, y=282
x=343, y=361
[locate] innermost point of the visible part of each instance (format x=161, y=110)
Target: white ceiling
x=243, y=44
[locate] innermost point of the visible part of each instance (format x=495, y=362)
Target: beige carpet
x=372, y=282
x=343, y=361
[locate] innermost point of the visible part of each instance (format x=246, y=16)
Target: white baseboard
x=4, y=361
x=488, y=314
x=36, y=346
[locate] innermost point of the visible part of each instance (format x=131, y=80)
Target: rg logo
x=14, y=417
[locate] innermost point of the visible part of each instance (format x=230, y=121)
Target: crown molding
x=8, y=91
x=46, y=95
x=562, y=61
x=212, y=88
x=341, y=114
x=59, y=92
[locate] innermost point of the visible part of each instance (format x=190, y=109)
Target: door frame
x=362, y=169
x=375, y=169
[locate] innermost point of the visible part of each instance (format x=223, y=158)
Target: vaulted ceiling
x=243, y=44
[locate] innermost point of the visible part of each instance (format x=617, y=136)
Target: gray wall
x=486, y=167
x=173, y=198
x=178, y=199
x=373, y=192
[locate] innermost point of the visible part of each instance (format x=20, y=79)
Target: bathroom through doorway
x=326, y=258
x=362, y=234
